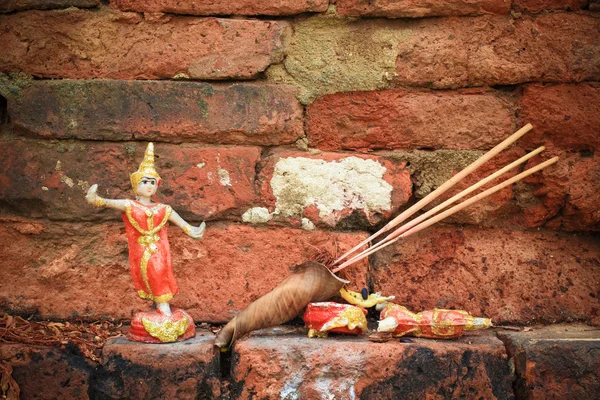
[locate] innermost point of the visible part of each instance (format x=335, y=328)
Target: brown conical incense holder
x=310, y=282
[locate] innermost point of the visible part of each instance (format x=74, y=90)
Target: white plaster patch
x=223, y=176
x=200, y=165
x=307, y=224
x=257, y=215
x=58, y=166
x=333, y=186
x=45, y=189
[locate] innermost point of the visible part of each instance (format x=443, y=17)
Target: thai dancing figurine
x=150, y=255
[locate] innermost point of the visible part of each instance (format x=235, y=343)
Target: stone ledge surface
x=556, y=362
x=183, y=370
x=48, y=373
x=293, y=366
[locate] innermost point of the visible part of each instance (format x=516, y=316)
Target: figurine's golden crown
x=146, y=168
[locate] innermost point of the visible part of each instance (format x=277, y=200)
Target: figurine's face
x=147, y=187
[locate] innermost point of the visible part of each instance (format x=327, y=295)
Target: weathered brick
x=20, y=5
x=403, y=9
x=566, y=117
x=451, y=53
x=346, y=367
x=546, y=5
x=509, y=276
x=243, y=114
x=65, y=271
x=555, y=362
x=210, y=7
x=333, y=189
x=41, y=179
x=110, y=44
x=399, y=119
x=45, y=372
x=563, y=197
x=184, y=370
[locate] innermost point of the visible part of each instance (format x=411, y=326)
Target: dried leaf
x=10, y=388
x=89, y=338
x=310, y=282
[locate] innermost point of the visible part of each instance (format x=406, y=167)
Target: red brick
x=210, y=7
x=45, y=372
x=65, y=271
x=165, y=111
x=20, y=5
x=566, y=117
x=509, y=276
x=555, y=362
x=330, y=190
x=110, y=44
x=546, y=5
x=346, y=368
x=403, y=9
x=563, y=197
x=499, y=50
x=399, y=119
x=186, y=370
x=41, y=179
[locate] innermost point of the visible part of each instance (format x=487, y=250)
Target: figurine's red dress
x=149, y=252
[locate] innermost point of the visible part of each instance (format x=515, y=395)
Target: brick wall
x=298, y=126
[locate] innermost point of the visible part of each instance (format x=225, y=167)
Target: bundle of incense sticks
x=395, y=233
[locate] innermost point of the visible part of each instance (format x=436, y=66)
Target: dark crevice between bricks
x=3, y=110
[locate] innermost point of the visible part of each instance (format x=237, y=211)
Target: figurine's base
x=155, y=327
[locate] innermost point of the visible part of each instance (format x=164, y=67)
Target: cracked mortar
x=329, y=54
x=429, y=170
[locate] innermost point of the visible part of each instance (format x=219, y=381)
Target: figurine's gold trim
x=441, y=328
x=146, y=168
x=475, y=323
x=164, y=298
x=187, y=229
x=312, y=333
x=352, y=317
x=167, y=331
x=154, y=209
x=100, y=202
x=148, y=242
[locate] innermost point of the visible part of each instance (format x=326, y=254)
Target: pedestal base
x=155, y=327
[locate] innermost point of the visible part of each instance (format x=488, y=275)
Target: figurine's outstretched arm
x=97, y=201
x=195, y=232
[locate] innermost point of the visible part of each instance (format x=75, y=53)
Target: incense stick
x=452, y=210
x=447, y=185
x=452, y=200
